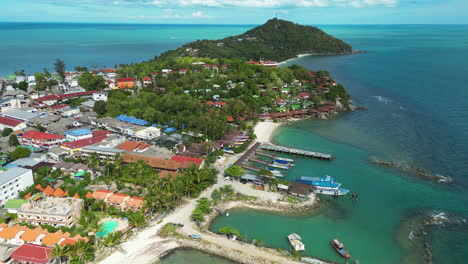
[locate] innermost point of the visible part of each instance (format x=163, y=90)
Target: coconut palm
x=60, y=252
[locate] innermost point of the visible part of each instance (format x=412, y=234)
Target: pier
x=310, y=154
x=247, y=155
x=250, y=168
x=260, y=161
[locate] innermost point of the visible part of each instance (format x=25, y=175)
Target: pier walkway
x=311, y=154
x=247, y=155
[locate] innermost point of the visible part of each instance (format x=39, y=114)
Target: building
x=160, y=164
x=124, y=83
x=40, y=139
x=78, y=134
x=100, y=97
x=300, y=189
x=188, y=161
x=9, y=104
x=20, y=115
x=119, y=200
x=51, y=211
x=134, y=146
x=102, y=153
x=32, y=254
x=14, y=124
x=12, y=181
x=6, y=250
x=12, y=205
x=76, y=145
x=147, y=133
x=147, y=81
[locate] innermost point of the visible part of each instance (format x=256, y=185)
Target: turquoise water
x=106, y=228
x=415, y=117
x=179, y=256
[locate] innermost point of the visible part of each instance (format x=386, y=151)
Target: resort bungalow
x=118, y=200
x=125, y=83
x=147, y=81
x=40, y=139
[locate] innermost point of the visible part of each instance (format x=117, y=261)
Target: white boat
x=295, y=241
x=285, y=159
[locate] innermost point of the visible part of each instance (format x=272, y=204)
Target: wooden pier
x=247, y=155
x=260, y=161
x=261, y=153
x=250, y=168
x=311, y=154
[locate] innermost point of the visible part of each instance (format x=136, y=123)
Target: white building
x=9, y=104
x=100, y=96
x=148, y=133
x=12, y=181
x=78, y=134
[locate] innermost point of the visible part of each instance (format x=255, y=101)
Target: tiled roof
x=9, y=233
x=48, y=190
x=9, y=121
x=126, y=80
x=39, y=188
x=89, y=195
x=136, y=202
x=118, y=197
x=131, y=146
x=40, y=135
x=98, y=133
x=32, y=253
x=64, y=96
x=83, y=142
x=58, y=193
x=50, y=239
x=30, y=235
x=153, y=162
x=183, y=159
x=76, y=196
x=100, y=194
x=165, y=174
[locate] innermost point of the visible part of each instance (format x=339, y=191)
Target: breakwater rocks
x=413, y=170
x=419, y=232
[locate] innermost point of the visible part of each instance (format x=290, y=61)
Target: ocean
x=413, y=80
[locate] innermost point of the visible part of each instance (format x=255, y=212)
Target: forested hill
x=276, y=40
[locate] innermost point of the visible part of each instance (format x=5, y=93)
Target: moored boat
x=284, y=159
x=325, y=185
x=295, y=241
x=339, y=247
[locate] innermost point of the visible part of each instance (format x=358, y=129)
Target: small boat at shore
x=296, y=242
x=339, y=247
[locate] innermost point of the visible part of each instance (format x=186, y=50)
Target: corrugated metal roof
x=12, y=174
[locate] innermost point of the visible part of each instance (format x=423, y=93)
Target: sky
x=237, y=11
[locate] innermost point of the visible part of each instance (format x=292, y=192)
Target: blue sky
x=238, y=11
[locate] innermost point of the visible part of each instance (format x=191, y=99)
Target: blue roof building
x=78, y=134
x=133, y=120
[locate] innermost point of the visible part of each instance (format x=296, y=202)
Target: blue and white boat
x=276, y=173
x=284, y=159
x=281, y=161
x=228, y=150
x=325, y=185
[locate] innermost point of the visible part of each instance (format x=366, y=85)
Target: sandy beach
x=298, y=56
x=264, y=131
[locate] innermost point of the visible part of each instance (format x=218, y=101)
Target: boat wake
x=382, y=99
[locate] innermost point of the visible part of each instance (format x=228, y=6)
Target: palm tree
x=59, y=252
x=112, y=239
x=83, y=250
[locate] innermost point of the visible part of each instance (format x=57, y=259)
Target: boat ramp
x=311, y=154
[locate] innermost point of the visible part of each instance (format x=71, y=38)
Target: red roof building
x=187, y=161
x=77, y=144
x=220, y=104
x=31, y=253
x=41, y=139
x=230, y=119
x=55, y=107
x=14, y=124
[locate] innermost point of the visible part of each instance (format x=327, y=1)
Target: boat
x=295, y=241
x=325, y=185
x=340, y=248
x=281, y=161
x=279, y=166
x=284, y=159
x=228, y=150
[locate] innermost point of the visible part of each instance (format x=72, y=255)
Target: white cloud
x=169, y=14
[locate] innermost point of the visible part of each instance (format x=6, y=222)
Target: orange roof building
x=76, y=196
x=9, y=232
x=58, y=193
x=118, y=200
x=27, y=196
x=30, y=235
x=135, y=203
x=134, y=146
x=101, y=195
x=50, y=240
x=39, y=188
x=156, y=163
x=48, y=190
x=166, y=174
x=89, y=195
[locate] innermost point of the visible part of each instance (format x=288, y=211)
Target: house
x=147, y=133
x=124, y=83
x=32, y=254
x=147, y=80
x=134, y=146
x=14, y=124
x=102, y=195
x=12, y=181
x=100, y=97
x=68, y=111
x=183, y=71
x=118, y=200
x=78, y=134
x=111, y=84
x=40, y=139
x=166, y=72
x=303, y=95
x=134, y=203
x=300, y=189
x=51, y=211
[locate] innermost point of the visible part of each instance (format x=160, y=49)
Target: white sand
x=264, y=131
x=298, y=56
